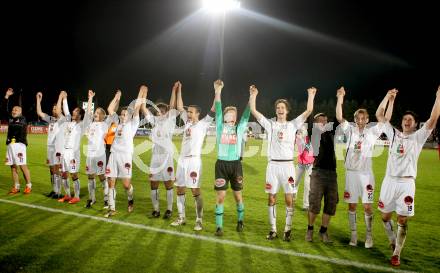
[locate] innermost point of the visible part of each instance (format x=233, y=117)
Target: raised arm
x=435, y=113
x=91, y=94
x=390, y=107
x=310, y=100
x=40, y=113
x=179, y=100
x=253, y=92
x=340, y=95
x=380, y=113
x=173, y=95
x=112, y=107
x=218, y=87
x=140, y=100
x=60, y=103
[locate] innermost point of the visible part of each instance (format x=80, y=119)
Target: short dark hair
x=198, y=108
x=162, y=105
x=82, y=112
x=411, y=113
x=122, y=109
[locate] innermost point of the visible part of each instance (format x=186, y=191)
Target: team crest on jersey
x=188, y=132
x=291, y=180
x=381, y=204
x=51, y=127
x=369, y=188
x=220, y=182
x=400, y=149
x=346, y=195
x=408, y=200
x=268, y=186
x=280, y=135
x=358, y=146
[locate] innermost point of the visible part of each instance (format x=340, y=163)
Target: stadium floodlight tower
x=220, y=6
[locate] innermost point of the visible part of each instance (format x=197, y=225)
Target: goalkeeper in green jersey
x=228, y=168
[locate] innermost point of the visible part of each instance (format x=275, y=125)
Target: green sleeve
x=244, y=119
x=219, y=117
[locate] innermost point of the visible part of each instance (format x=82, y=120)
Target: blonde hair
x=286, y=103
x=230, y=108
x=361, y=111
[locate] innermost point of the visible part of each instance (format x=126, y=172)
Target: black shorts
x=228, y=172
x=323, y=184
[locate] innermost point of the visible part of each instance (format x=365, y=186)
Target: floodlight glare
x=220, y=6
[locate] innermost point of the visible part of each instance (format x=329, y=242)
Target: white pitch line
x=215, y=240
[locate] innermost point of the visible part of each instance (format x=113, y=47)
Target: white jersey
x=404, y=150
x=95, y=134
x=360, y=145
x=194, y=135
x=72, y=134
x=162, y=132
x=52, y=129
x=125, y=132
x=281, y=137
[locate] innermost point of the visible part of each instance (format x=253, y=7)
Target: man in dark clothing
x=323, y=180
x=16, y=142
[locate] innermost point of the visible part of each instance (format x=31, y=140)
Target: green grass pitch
x=33, y=240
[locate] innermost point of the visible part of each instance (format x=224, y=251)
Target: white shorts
x=162, y=168
x=95, y=165
x=119, y=165
x=53, y=157
x=15, y=154
x=359, y=185
x=70, y=161
x=397, y=194
x=280, y=174
x=189, y=170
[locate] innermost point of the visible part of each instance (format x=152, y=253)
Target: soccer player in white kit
x=53, y=161
x=280, y=172
x=162, y=164
x=359, y=177
x=398, y=187
x=189, y=166
x=120, y=162
x=96, y=157
x=74, y=127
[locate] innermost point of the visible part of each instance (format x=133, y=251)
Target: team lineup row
x=110, y=157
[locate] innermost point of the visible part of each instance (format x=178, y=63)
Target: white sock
x=52, y=181
x=181, y=205
x=154, y=194
x=352, y=222
x=369, y=222
x=66, y=186
x=76, y=187
x=105, y=189
x=389, y=230
x=130, y=193
x=57, y=183
x=112, y=198
x=289, y=216
x=199, y=206
x=92, y=186
x=170, y=197
x=17, y=186
x=29, y=185
x=401, y=236
x=273, y=217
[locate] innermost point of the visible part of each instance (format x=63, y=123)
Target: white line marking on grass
x=215, y=240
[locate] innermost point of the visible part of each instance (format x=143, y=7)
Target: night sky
x=281, y=46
